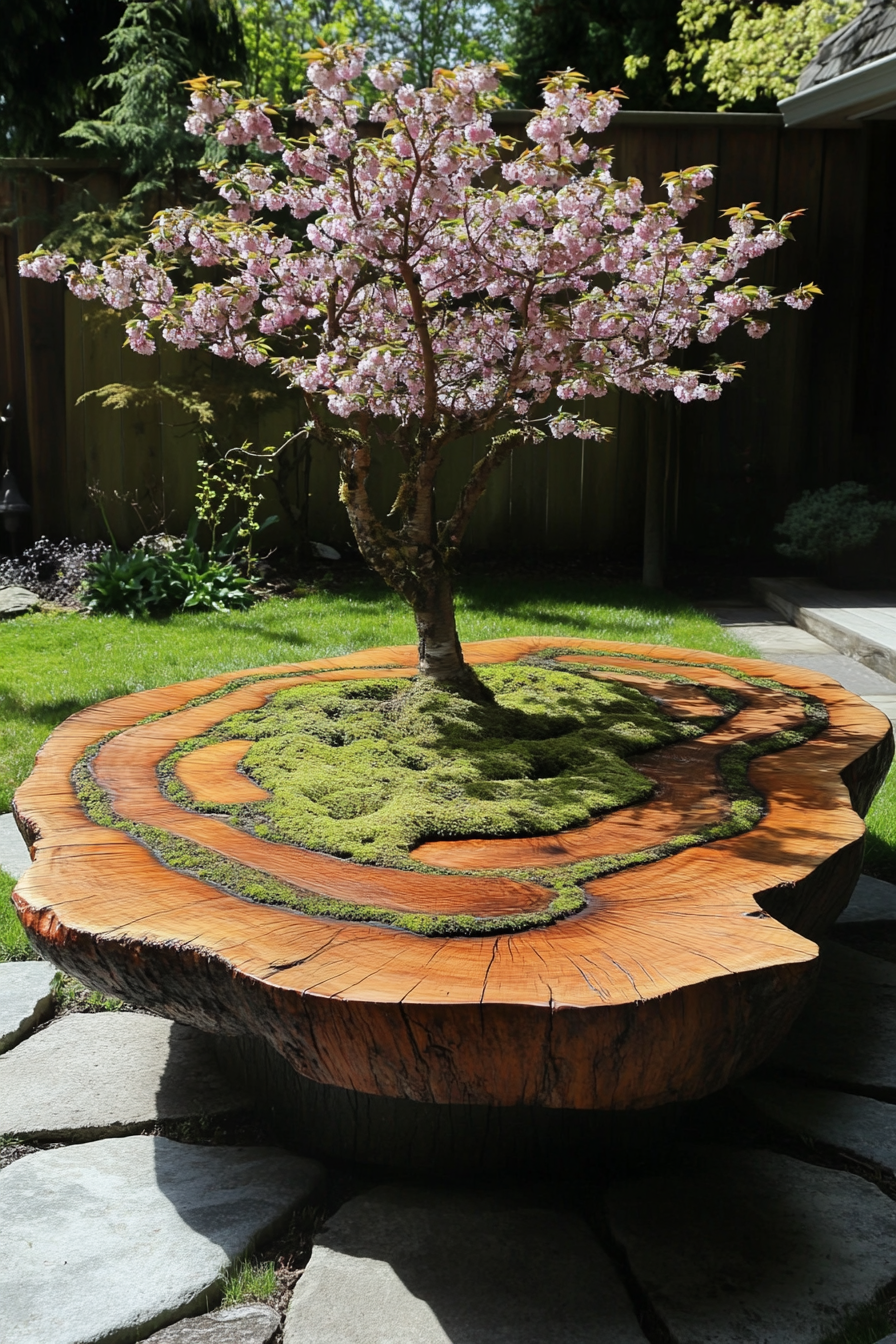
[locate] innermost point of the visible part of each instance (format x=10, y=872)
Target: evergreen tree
x=611, y=42
x=49, y=57
x=155, y=47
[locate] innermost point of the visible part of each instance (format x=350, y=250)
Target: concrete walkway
x=862, y=625
x=775, y=638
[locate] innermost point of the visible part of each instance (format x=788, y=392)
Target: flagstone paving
x=15, y=856
x=104, y=1242
x=407, y=1264
x=862, y=624
x=741, y=1247
x=855, y=1124
x=26, y=999
x=873, y=901
x=92, y=1075
x=836, y=653
x=847, y=1033
x=251, y=1323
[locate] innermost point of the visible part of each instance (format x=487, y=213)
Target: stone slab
x=847, y=1032
x=885, y=703
x=15, y=600
x=250, y=1323
x=15, y=857
x=872, y=902
x=778, y=639
x=26, y=1000
x=862, y=625
x=858, y=1125
x=853, y=675
x=104, y=1242
x=91, y=1075
x=746, y=1247
x=412, y=1265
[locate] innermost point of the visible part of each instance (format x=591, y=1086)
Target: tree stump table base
x=685, y=966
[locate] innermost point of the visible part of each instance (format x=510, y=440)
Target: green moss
x=435, y=765
x=368, y=770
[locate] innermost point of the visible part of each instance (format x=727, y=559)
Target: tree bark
x=412, y=565
x=655, y=499
x=440, y=653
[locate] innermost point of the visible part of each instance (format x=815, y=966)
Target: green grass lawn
x=880, y=843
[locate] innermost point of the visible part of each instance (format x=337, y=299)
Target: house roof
x=868, y=37
x=853, y=77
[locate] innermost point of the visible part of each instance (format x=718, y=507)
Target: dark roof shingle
x=868, y=37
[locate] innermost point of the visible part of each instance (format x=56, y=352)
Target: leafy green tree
x=277, y=32
x=750, y=52
x=426, y=33
x=433, y=34
x=50, y=45
x=612, y=42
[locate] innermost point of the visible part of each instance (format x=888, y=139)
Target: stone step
x=407, y=1264
x=104, y=1242
x=91, y=1075
x=847, y=1032
x=858, y=1125
x=741, y=1247
x=862, y=625
x=26, y=1000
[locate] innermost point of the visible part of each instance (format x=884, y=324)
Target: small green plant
x=249, y=1281
x=867, y=1326
x=184, y=577
x=70, y=993
x=141, y=582
x=824, y=523
x=232, y=480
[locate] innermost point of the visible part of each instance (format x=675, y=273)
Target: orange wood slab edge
x=678, y=976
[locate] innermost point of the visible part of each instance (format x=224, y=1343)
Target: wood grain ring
x=677, y=977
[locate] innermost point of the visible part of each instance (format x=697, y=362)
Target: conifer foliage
x=155, y=47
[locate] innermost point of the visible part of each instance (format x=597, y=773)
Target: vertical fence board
x=809, y=410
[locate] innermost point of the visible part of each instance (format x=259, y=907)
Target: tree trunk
x=441, y=657
x=638, y=1000
x=655, y=499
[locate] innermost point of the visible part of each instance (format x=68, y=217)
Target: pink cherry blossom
x=440, y=285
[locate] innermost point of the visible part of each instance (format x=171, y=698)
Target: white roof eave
x=845, y=100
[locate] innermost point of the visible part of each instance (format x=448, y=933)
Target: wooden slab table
x=677, y=977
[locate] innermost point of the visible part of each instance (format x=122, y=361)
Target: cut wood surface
x=678, y=976
x=211, y=775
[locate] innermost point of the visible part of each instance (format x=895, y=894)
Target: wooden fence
x=813, y=407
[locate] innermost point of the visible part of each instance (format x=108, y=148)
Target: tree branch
x=430, y=399
x=452, y=530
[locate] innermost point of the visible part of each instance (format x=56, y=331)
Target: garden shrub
x=141, y=581
x=54, y=570
x=825, y=523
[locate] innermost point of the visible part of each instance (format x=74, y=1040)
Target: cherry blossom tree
x=446, y=282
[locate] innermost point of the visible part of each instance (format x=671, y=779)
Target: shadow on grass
x=45, y=714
